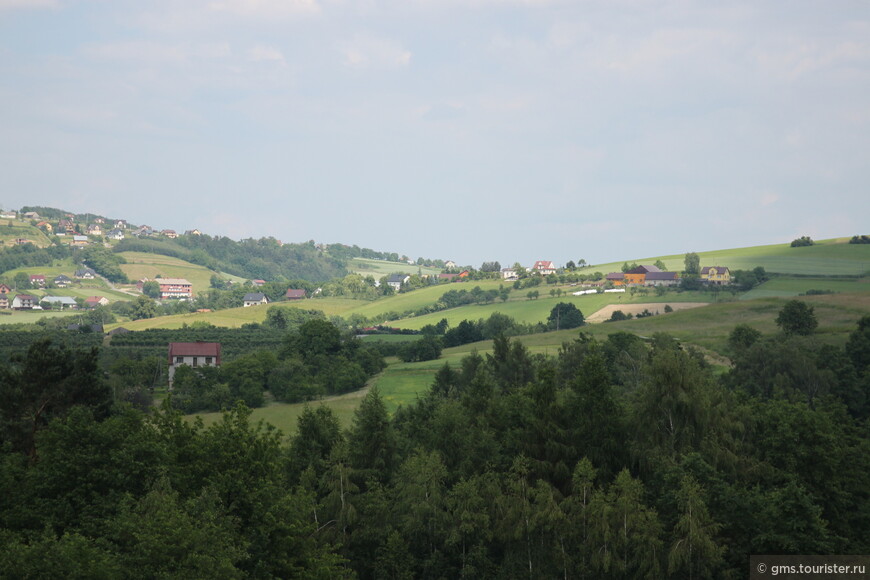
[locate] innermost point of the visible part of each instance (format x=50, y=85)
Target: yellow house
x=719, y=275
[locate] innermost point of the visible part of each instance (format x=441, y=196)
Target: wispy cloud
x=262, y=53
x=370, y=52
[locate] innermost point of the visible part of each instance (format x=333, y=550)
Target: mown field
x=834, y=257
x=144, y=265
x=381, y=268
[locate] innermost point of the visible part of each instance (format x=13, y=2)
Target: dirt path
x=654, y=307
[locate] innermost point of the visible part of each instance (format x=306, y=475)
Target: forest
x=620, y=458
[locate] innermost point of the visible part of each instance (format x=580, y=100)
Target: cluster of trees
x=863, y=239
x=104, y=262
x=621, y=458
x=265, y=258
x=315, y=360
x=14, y=257
x=802, y=242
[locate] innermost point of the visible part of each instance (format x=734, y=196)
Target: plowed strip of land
x=654, y=307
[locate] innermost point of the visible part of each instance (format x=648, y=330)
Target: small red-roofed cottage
x=293, y=294
x=37, y=280
x=193, y=354
x=94, y=301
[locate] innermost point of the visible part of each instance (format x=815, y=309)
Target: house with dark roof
x=4, y=296
x=397, y=280
x=23, y=302
x=718, y=275
x=62, y=281
x=193, y=354
x=254, y=299
x=85, y=274
x=618, y=278
x=637, y=275
x=662, y=279
x=116, y=234
x=294, y=294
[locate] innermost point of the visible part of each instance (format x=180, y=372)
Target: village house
x=258, y=283
x=294, y=294
x=99, y=221
x=662, y=279
x=79, y=241
x=116, y=234
x=45, y=226
x=254, y=299
x=447, y=277
x=62, y=281
x=8, y=215
x=193, y=354
x=193, y=232
x=544, y=267
x=4, y=302
x=30, y=215
x=717, y=275
x=396, y=281
x=169, y=234
x=23, y=302
x=85, y=274
x=449, y=264
x=508, y=274
x=618, y=278
x=37, y=280
x=121, y=224
x=638, y=274
x=66, y=226
x=94, y=230
x=94, y=301
x=4, y=290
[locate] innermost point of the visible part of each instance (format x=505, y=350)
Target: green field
x=21, y=229
x=31, y=316
x=380, y=268
x=835, y=257
x=707, y=327
x=144, y=265
x=786, y=286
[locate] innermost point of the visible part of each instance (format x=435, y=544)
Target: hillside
x=833, y=257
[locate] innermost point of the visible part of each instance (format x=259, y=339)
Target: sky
x=471, y=130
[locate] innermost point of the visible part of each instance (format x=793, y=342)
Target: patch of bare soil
x=655, y=308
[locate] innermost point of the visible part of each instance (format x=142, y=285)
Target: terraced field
x=381, y=268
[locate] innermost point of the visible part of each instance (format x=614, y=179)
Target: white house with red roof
x=193, y=354
x=544, y=267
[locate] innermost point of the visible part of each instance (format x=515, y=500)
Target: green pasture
x=532, y=311
x=144, y=265
x=786, y=286
x=380, y=268
x=834, y=257
x=236, y=317
x=31, y=316
x=84, y=292
x=418, y=298
x=20, y=229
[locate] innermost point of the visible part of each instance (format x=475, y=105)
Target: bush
x=802, y=241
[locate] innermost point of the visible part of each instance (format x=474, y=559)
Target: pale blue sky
x=510, y=130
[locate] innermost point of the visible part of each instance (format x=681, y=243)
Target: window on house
x=208, y=360
x=195, y=360
x=179, y=360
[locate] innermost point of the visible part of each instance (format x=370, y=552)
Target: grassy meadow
x=11, y=230
x=834, y=257
x=380, y=268
x=144, y=265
